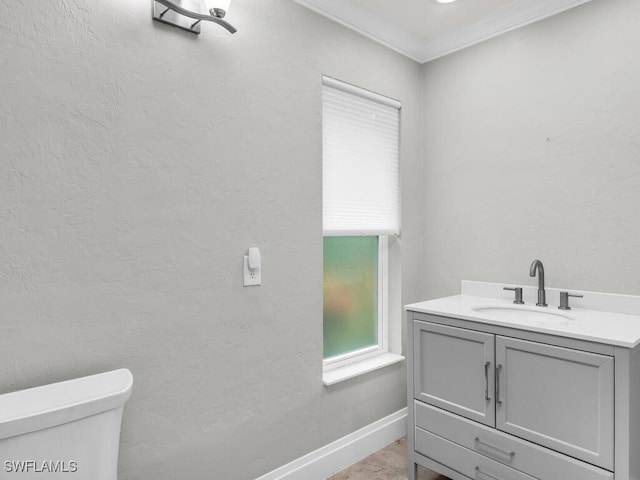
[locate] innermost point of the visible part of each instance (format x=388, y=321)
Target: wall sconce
x=182, y=13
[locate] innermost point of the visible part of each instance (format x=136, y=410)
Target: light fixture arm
x=197, y=16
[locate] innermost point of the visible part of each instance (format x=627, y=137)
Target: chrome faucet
x=537, y=265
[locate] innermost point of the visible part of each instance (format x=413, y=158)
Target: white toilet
x=64, y=430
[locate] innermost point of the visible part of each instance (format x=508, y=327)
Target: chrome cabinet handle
x=486, y=381
x=493, y=450
x=498, y=368
x=485, y=475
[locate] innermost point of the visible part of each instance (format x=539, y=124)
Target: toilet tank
x=68, y=429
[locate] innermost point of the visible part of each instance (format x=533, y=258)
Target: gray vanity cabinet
x=454, y=370
x=485, y=404
x=556, y=397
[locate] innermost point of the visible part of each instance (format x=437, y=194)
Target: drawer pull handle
x=491, y=448
x=498, y=368
x=486, y=381
x=484, y=475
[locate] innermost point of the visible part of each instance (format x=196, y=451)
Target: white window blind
x=360, y=132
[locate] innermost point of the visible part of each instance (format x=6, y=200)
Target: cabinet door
x=556, y=397
x=453, y=369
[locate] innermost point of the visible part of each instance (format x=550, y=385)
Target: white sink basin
x=528, y=315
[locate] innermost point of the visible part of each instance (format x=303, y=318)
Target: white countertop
x=611, y=328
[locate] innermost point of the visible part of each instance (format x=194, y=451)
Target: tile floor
x=390, y=463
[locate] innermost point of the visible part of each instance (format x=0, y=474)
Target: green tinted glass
x=350, y=294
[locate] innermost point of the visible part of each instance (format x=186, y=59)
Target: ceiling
x=425, y=30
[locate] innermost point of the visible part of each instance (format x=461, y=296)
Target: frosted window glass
x=350, y=294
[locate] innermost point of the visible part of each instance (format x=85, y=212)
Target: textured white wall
x=137, y=165
x=532, y=150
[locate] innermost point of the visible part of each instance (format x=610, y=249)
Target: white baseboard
x=330, y=459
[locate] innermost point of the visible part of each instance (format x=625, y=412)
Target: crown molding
x=515, y=14
x=368, y=24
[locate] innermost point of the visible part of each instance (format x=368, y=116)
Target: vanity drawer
x=520, y=454
x=463, y=460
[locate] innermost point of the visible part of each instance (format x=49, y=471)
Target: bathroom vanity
x=498, y=391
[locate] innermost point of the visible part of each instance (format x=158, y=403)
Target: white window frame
x=382, y=322
x=351, y=364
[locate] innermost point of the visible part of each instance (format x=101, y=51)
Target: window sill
x=339, y=373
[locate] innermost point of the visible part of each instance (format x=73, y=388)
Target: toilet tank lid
x=49, y=405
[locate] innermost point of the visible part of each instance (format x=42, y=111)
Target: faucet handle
x=518, y=290
x=564, y=300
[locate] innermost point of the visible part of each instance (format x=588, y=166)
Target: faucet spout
x=537, y=267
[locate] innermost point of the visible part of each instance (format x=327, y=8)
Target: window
x=361, y=208
x=351, y=294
